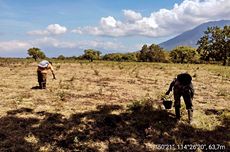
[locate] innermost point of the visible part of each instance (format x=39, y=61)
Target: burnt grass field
x=111, y=106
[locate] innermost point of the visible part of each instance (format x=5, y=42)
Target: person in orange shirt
x=42, y=70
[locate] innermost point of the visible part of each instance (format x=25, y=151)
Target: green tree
x=215, y=44
x=157, y=53
x=121, y=56
x=91, y=55
x=113, y=57
x=184, y=54
x=61, y=57
x=129, y=56
x=36, y=53
x=143, y=56
x=153, y=53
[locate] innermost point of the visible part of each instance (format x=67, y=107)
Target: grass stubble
x=109, y=106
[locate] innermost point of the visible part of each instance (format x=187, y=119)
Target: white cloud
x=14, y=45
x=164, y=22
x=52, y=29
x=56, y=29
x=108, y=22
x=39, y=32
x=106, y=45
x=52, y=42
x=49, y=42
x=132, y=15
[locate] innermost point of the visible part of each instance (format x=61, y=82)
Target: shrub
x=184, y=54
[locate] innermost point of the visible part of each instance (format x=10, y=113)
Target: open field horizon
x=88, y=107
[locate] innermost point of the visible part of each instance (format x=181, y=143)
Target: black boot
x=190, y=115
x=43, y=85
x=177, y=111
x=40, y=85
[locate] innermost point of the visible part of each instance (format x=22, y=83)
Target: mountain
x=190, y=38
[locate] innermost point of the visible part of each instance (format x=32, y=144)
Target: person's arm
x=170, y=87
x=192, y=90
x=52, y=70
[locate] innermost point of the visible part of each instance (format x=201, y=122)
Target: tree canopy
x=153, y=53
x=61, y=57
x=215, y=44
x=36, y=53
x=184, y=54
x=91, y=54
x=120, y=57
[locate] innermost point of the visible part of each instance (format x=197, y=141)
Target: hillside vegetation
x=110, y=106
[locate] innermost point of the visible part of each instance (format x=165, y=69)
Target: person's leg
x=190, y=115
x=177, y=105
x=39, y=74
x=188, y=102
x=44, y=75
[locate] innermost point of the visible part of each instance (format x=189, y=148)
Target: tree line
x=213, y=46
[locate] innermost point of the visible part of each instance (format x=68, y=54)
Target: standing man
x=43, y=68
x=182, y=86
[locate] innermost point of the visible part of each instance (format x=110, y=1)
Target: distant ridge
x=190, y=38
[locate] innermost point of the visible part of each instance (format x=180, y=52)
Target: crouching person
x=43, y=68
x=182, y=86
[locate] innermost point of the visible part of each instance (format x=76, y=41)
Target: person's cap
x=43, y=64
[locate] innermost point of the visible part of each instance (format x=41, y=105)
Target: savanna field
x=111, y=106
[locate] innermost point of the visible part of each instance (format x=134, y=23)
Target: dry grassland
x=109, y=106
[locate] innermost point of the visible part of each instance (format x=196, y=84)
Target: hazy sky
x=69, y=26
